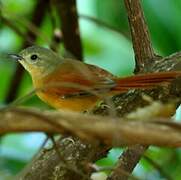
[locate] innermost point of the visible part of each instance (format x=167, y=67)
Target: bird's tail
x=145, y=81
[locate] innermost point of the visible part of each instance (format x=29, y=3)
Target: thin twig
x=38, y=16
x=56, y=40
x=55, y=146
x=12, y=26
x=104, y=24
x=164, y=174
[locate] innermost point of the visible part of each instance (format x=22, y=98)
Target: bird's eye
x=34, y=57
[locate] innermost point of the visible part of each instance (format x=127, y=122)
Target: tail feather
x=145, y=81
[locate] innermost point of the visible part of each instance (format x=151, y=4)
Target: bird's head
x=38, y=61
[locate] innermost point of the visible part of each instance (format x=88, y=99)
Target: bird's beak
x=16, y=57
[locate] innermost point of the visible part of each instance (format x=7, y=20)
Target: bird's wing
x=75, y=78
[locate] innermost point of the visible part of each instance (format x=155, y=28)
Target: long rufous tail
x=145, y=81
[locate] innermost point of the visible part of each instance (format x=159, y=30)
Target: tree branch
x=70, y=27
x=127, y=161
x=75, y=154
x=157, y=129
x=140, y=36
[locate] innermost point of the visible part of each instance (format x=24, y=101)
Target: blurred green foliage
x=103, y=47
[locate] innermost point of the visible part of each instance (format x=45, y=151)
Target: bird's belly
x=78, y=104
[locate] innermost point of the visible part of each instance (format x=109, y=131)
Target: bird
x=73, y=85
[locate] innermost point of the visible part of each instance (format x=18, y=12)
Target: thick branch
x=172, y=62
x=140, y=36
x=101, y=129
x=72, y=163
x=70, y=27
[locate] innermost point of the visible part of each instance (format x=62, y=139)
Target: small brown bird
x=77, y=86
